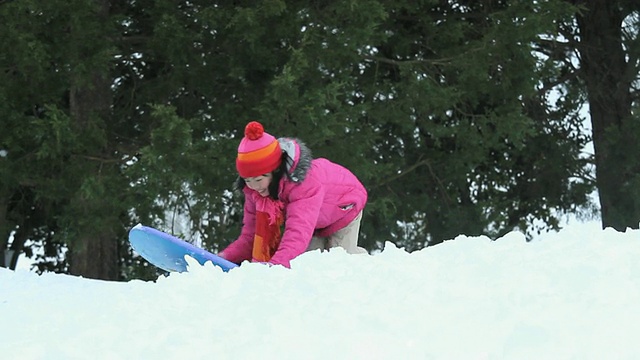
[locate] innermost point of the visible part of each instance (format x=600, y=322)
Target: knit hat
x=259, y=153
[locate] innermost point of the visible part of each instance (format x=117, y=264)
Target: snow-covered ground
x=570, y=295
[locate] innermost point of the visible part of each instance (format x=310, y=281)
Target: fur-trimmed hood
x=298, y=158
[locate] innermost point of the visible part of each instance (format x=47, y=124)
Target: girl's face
x=260, y=183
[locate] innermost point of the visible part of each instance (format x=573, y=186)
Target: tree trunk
x=18, y=213
x=608, y=79
x=5, y=228
x=94, y=253
x=19, y=239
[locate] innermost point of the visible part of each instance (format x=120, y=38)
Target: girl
x=319, y=202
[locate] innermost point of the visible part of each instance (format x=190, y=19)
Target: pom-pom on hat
x=259, y=152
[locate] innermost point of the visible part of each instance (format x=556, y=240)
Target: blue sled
x=167, y=252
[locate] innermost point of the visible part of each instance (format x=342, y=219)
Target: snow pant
x=346, y=238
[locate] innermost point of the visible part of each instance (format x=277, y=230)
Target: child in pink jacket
x=319, y=202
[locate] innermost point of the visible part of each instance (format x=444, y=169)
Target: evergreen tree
x=606, y=38
x=441, y=100
x=120, y=112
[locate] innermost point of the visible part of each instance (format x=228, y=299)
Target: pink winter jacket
x=319, y=197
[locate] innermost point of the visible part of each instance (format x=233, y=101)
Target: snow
x=568, y=295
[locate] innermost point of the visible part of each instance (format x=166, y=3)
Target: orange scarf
x=269, y=219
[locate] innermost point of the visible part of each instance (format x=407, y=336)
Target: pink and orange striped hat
x=259, y=152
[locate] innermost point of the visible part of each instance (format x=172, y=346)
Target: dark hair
x=278, y=173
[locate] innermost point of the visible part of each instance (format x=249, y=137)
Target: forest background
x=460, y=117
